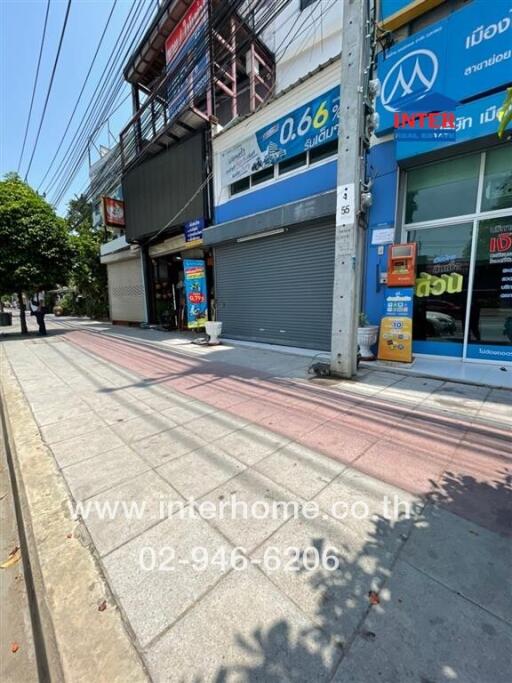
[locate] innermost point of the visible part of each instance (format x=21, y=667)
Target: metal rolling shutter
x=278, y=289
x=126, y=291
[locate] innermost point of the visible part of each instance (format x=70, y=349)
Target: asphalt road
x=15, y=625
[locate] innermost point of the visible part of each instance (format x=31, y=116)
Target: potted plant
x=366, y=336
x=213, y=330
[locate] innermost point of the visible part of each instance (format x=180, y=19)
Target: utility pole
x=355, y=65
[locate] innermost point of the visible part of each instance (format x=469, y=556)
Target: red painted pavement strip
x=387, y=441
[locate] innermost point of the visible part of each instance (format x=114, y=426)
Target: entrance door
x=442, y=281
x=278, y=288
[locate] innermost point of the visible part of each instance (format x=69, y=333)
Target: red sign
x=195, y=298
x=113, y=212
x=184, y=29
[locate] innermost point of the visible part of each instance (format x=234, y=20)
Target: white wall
x=301, y=41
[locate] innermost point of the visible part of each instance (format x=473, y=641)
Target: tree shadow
x=356, y=606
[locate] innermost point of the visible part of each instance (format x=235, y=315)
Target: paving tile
x=142, y=427
x=368, y=506
x=251, y=443
x=437, y=434
x=403, y=467
x=161, y=448
x=341, y=442
x=122, y=412
x=88, y=422
x=253, y=410
x=464, y=557
x=422, y=631
x=155, y=596
x=200, y=471
x=85, y=446
x=183, y=413
x=252, y=518
x=291, y=423
x=212, y=427
x=100, y=473
x=253, y=632
x=299, y=469
x=335, y=599
x=124, y=511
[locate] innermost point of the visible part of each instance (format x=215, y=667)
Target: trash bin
x=5, y=319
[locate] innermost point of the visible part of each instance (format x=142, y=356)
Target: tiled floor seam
x=458, y=593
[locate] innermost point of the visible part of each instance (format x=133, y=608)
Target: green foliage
x=88, y=275
x=36, y=251
x=505, y=113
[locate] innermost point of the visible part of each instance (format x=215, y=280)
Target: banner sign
x=193, y=230
x=395, y=338
x=187, y=56
x=472, y=121
x=113, y=212
x=468, y=53
x=389, y=7
x=311, y=125
x=195, y=292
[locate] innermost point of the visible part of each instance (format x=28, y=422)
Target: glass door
x=442, y=280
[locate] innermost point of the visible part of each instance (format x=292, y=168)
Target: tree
x=505, y=113
x=88, y=275
x=36, y=251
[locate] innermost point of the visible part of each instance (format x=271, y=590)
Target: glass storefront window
x=442, y=274
x=497, y=190
x=442, y=190
x=491, y=308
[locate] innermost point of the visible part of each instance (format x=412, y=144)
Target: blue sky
x=21, y=25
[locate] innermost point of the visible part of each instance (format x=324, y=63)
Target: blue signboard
x=193, y=230
x=467, y=54
x=195, y=292
x=389, y=7
x=308, y=126
x=473, y=120
x=399, y=302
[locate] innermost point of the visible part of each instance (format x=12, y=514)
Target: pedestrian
x=40, y=313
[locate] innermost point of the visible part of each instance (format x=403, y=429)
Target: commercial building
x=448, y=191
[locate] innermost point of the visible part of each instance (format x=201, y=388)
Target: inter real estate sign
x=308, y=126
x=467, y=54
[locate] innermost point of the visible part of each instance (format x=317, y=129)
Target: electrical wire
x=34, y=88
x=48, y=92
x=80, y=94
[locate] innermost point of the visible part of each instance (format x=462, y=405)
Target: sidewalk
x=135, y=418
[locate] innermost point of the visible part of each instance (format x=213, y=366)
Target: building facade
x=451, y=194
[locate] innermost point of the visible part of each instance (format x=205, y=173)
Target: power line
x=35, y=83
x=81, y=93
x=49, y=88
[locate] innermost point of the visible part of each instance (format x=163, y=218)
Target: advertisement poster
x=113, y=212
x=193, y=230
x=395, y=339
x=311, y=125
x=195, y=292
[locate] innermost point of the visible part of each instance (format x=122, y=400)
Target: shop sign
x=193, y=230
x=468, y=53
x=433, y=285
x=187, y=56
x=113, y=212
x=389, y=7
x=472, y=121
x=195, y=292
x=395, y=337
x=311, y=125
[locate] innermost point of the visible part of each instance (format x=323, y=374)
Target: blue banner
x=399, y=302
x=389, y=7
x=467, y=54
x=195, y=292
x=306, y=127
x=193, y=230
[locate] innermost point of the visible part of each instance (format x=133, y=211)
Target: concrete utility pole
x=355, y=58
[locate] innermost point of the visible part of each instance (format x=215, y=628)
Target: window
x=497, y=190
x=306, y=3
x=291, y=164
x=239, y=186
x=262, y=176
x=442, y=190
x=323, y=151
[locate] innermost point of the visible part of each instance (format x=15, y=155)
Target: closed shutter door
x=126, y=292
x=278, y=289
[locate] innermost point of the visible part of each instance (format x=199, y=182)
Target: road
x=15, y=625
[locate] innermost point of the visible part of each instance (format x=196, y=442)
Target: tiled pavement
x=130, y=422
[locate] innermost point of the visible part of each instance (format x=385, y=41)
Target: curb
x=78, y=641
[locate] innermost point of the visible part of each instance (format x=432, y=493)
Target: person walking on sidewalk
x=40, y=312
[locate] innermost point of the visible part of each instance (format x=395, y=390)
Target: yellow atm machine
x=395, y=339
